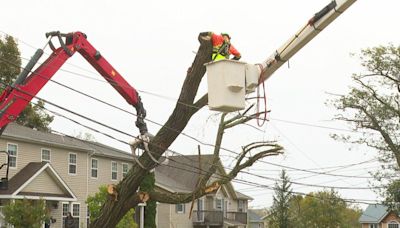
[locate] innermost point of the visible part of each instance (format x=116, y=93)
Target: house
x=256, y=218
x=379, y=216
x=224, y=208
x=64, y=171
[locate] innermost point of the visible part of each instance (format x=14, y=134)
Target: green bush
x=26, y=213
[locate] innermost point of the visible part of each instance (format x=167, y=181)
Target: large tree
x=186, y=107
x=33, y=116
x=281, y=203
x=372, y=108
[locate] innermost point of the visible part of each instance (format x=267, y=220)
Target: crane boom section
x=16, y=97
x=313, y=27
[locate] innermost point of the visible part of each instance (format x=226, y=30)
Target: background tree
x=372, y=107
x=185, y=108
x=323, y=209
x=25, y=213
x=33, y=116
x=279, y=214
x=95, y=203
x=86, y=136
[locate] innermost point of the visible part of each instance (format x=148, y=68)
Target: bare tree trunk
x=185, y=108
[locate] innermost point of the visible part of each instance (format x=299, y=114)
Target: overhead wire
x=207, y=144
x=51, y=103
x=225, y=167
x=122, y=132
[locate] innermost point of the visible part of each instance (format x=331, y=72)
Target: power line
x=114, y=129
x=99, y=100
x=134, y=114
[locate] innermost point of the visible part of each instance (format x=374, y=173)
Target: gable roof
x=182, y=173
x=243, y=196
x=27, y=175
x=254, y=216
x=374, y=214
x=15, y=131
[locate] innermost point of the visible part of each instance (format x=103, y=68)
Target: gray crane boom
x=315, y=25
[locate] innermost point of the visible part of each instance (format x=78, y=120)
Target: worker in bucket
x=222, y=47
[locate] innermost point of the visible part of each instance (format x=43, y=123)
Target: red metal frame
x=15, y=98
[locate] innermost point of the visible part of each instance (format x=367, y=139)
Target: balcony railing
x=237, y=216
x=208, y=217
x=214, y=217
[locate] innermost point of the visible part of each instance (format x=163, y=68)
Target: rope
x=261, y=121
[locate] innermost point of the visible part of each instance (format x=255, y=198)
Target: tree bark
x=185, y=108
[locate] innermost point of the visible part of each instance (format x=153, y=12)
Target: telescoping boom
x=315, y=25
x=228, y=80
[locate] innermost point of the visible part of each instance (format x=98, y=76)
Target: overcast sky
x=152, y=43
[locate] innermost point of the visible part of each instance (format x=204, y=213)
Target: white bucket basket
x=252, y=77
x=226, y=85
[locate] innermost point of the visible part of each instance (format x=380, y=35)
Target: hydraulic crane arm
x=16, y=97
x=315, y=25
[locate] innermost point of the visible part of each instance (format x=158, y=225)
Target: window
x=200, y=210
x=12, y=150
x=393, y=224
x=76, y=212
x=75, y=209
x=240, y=206
x=65, y=210
x=180, y=208
x=373, y=225
x=218, y=204
x=125, y=169
x=94, y=168
x=46, y=155
x=72, y=163
x=114, y=170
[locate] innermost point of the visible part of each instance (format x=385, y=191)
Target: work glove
x=236, y=57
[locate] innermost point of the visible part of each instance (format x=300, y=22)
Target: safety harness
x=222, y=50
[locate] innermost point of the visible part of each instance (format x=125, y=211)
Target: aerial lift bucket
x=228, y=81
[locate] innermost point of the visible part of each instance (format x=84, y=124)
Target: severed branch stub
x=212, y=188
x=112, y=191
x=143, y=197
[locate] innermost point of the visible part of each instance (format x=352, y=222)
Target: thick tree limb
x=185, y=108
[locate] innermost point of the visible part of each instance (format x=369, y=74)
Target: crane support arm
x=16, y=97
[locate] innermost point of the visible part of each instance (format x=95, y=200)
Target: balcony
x=211, y=218
x=217, y=218
x=240, y=217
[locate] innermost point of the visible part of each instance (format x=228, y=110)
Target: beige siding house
x=226, y=208
x=64, y=171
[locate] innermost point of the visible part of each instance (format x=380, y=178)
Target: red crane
x=16, y=97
